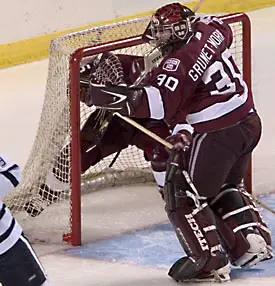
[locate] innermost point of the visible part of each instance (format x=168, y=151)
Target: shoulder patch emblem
x=171, y=64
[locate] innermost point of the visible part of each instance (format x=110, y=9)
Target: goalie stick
x=169, y=146
x=197, y=7
x=263, y=205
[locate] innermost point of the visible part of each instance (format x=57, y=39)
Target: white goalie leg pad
x=54, y=183
x=159, y=178
x=48, y=193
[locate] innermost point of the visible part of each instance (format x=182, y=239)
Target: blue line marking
x=158, y=247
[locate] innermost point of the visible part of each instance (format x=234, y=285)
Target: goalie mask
x=169, y=24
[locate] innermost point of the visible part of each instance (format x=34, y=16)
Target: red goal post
x=63, y=115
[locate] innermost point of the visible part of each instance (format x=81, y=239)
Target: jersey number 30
x=225, y=84
x=168, y=81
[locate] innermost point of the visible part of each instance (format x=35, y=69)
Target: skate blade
x=221, y=275
x=265, y=255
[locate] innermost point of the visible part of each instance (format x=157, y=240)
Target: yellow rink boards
x=38, y=47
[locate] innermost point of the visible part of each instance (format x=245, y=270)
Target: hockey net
x=63, y=115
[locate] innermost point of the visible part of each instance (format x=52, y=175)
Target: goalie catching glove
x=105, y=68
x=105, y=87
x=105, y=71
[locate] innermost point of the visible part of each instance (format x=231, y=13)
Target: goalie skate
x=216, y=276
x=258, y=251
x=220, y=275
x=43, y=199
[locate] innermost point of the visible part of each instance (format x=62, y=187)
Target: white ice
x=22, y=92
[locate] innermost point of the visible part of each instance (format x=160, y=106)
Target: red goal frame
x=75, y=236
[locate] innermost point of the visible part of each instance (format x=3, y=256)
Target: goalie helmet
x=169, y=24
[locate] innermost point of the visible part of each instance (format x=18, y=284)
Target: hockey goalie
x=215, y=220
x=104, y=134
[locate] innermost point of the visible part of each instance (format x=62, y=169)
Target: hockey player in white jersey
x=19, y=265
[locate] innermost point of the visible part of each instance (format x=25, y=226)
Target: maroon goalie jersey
x=199, y=83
